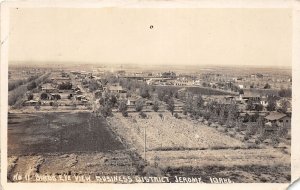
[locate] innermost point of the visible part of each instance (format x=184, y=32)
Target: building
x=115, y=89
x=131, y=101
x=31, y=103
x=48, y=88
x=278, y=119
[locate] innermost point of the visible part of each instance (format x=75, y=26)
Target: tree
x=198, y=103
x=166, y=98
x=105, y=110
x=250, y=105
x=113, y=100
x=44, y=96
x=232, y=115
x=271, y=103
x=284, y=104
x=160, y=94
x=260, y=124
x=30, y=96
x=267, y=86
x=155, y=106
x=285, y=92
x=65, y=86
x=139, y=105
x=259, y=107
x=93, y=85
x=188, y=107
x=246, y=117
x=241, y=91
x=171, y=105
x=143, y=115
x=123, y=106
x=144, y=91
x=222, y=115
x=31, y=85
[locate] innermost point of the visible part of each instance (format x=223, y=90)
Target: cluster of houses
x=50, y=92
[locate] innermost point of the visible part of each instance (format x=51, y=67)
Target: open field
x=181, y=147
x=61, y=143
x=171, y=133
x=58, y=133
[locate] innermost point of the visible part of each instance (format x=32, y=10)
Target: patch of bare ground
x=109, y=163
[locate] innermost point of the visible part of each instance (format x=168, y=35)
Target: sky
x=255, y=37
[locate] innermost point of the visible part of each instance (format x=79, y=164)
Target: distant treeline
x=283, y=92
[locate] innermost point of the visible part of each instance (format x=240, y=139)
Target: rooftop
x=275, y=116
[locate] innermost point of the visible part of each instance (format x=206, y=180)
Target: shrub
x=143, y=115
x=44, y=96
x=155, y=106
x=246, y=137
x=123, y=107
x=30, y=96
x=125, y=113
x=139, y=105
x=161, y=115
x=176, y=115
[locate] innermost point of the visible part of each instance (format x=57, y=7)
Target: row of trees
x=14, y=84
x=17, y=94
x=65, y=86
x=110, y=101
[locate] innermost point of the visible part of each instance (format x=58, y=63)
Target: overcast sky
x=179, y=36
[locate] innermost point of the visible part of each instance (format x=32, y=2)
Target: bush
x=139, y=105
x=143, y=115
x=144, y=91
x=123, y=107
x=155, y=106
x=125, y=113
x=30, y=96
x=176, y=115
x=246, y=137
x=44, y=96
x=161, y=115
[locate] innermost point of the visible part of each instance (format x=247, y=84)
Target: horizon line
x=28, y=62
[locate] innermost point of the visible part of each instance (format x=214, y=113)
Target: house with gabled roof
x=278, y=119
